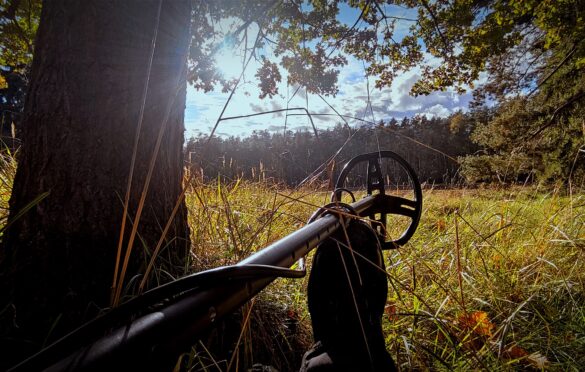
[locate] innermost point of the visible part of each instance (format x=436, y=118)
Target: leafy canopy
x=505, y=45
x=454, y=43
x=18, y=25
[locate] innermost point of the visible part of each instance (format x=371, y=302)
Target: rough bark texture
x=81, y=115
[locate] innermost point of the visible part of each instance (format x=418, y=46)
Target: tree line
x=507, y=143
x=431, y=145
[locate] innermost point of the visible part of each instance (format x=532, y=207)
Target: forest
x=133, y=238
x=429, y=145
x=461, y=149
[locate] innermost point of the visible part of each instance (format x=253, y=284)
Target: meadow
x=492, y=280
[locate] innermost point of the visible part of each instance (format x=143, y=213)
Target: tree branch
x=556, y=112
x=346, y=34
x=554, y=71
x=436, y=22
x=10, y=14
x=10, y=11
x=384, y=16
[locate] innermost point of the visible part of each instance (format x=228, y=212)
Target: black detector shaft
x=151, y=331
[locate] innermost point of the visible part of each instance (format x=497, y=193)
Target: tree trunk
x=81, y=116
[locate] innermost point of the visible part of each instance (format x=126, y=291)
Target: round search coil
x=332, y=208
x=339, y=192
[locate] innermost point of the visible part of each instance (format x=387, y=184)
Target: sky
x=204, y=109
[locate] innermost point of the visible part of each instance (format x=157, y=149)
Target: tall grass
x=7, y=172
x=520, y=302
x=228, y=222
x=492, y=280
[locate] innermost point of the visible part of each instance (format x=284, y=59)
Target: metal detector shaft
x=153, y=341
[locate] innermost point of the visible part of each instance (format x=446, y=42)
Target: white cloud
x=437, y=110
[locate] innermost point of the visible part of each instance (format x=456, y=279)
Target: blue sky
x=203, y=109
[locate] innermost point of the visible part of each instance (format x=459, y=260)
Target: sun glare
x=229, y=62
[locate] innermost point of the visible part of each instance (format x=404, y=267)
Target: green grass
x=520, y=300
x=514, y=298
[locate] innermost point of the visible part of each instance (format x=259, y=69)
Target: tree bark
x=81, y=116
